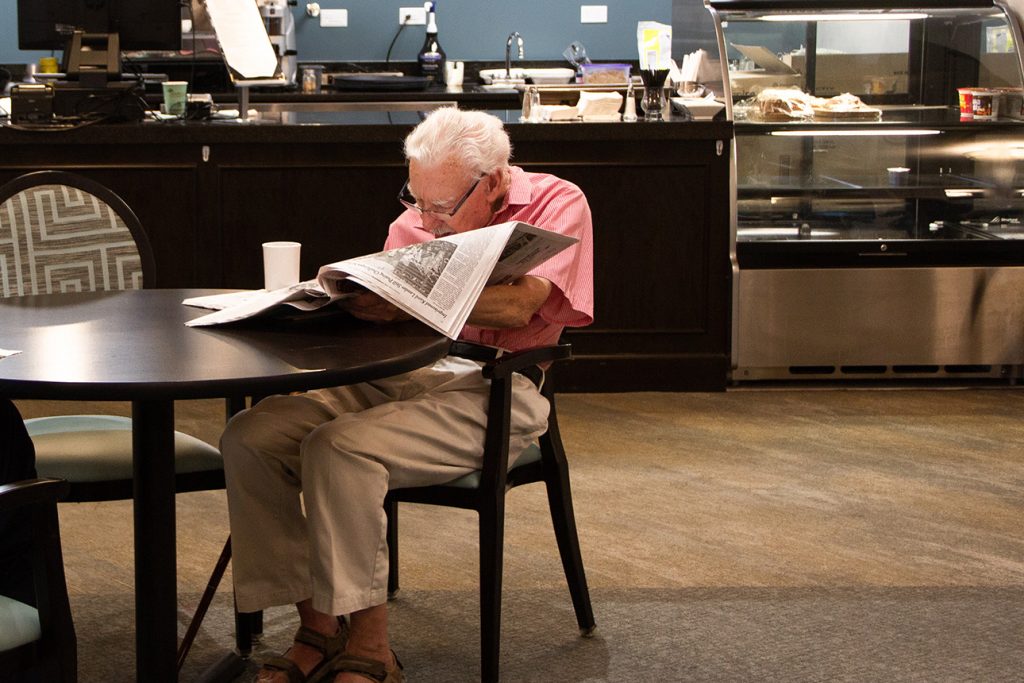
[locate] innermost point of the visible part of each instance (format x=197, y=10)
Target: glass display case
x=878, y=188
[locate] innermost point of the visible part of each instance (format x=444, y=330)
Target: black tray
x=393, y=83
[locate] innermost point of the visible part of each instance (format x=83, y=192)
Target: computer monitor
x=139, y=24
x=94, y=33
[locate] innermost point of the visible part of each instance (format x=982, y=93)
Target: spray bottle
x=431, y=57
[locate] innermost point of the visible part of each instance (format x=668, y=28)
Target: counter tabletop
x=283, y=124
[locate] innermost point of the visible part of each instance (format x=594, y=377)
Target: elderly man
x=343, y=448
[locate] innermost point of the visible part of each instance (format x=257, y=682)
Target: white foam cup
x=280, y=264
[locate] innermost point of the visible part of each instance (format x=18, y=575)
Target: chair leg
x=556, y=480
x=391, y=510
x=204, y=603
x=248, y=625
x=492, y=547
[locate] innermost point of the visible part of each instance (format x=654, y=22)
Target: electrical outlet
x=418, y=14
x=333, y=18
x=593, y=14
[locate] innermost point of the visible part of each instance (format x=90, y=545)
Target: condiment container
x=985, y=104
x=605, y=74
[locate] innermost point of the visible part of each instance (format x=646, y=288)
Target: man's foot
x=307, y=659
x=352, y=668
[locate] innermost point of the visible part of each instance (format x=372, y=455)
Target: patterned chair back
x=63, y=233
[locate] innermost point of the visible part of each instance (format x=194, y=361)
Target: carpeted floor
x=769, y=535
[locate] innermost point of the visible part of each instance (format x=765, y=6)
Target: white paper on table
x=7, y=352
x=243, y=37
x=232, y=306
x=217, y=302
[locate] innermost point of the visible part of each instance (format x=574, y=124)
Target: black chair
x=39, y=641
x=484, y=491
x=59, y=233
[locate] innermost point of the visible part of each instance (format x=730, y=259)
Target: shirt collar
x=520, y=192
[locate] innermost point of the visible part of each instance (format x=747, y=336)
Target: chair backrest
x=60, y=232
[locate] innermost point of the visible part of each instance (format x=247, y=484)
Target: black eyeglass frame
x=404, y=196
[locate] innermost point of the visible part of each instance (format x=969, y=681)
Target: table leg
x=156, y=590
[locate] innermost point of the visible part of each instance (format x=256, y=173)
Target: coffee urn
x=277, y=15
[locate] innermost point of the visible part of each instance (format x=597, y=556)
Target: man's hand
x=369, y=306
x=511, y=305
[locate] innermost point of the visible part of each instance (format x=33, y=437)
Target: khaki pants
x=342, y=449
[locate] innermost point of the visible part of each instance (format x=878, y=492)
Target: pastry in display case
x=878, y=188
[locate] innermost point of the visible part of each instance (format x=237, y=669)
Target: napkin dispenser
x=599, y=106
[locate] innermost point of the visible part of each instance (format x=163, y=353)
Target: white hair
x=477, y=141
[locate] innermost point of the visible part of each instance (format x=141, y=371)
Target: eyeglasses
x=409, y=202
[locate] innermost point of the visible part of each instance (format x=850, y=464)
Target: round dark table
x=134, y=346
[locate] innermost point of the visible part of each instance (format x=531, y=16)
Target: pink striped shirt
x=553, y=204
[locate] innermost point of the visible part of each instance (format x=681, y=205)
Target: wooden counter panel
x=335, y=212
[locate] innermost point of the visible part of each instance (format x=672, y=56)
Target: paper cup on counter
x=174, y=97
x=280, y=264
x=985, y=104
x=454, y=73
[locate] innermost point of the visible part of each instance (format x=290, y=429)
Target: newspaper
x=436, y=282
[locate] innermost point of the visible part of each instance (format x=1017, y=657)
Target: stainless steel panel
x=325, y=107
x=878, y=317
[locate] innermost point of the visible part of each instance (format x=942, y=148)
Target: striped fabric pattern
x=56, y=239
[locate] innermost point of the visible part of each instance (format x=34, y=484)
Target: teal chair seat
x=19, y=624
x=98, y=448
x=472, y=480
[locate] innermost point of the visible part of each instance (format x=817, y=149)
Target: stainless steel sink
x=509, y=86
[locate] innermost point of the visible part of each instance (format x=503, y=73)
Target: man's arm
x=499, y=306
x=369, y=306
x=511, y=305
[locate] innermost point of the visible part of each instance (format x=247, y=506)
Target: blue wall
x=468, y=29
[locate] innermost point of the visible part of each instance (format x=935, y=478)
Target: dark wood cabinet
x=210, y=194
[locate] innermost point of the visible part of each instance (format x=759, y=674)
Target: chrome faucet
x=513, y=37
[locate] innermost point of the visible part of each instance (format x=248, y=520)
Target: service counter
x=210, y=193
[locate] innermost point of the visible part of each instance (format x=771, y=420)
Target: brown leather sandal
x=328, y=646
x=368, y=668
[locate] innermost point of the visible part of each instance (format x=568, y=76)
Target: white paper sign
x=243, y=37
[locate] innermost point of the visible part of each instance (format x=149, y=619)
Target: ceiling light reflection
x=67, y=349
x=865, y=16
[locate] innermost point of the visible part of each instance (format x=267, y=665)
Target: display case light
x=863, y=132
x=864, y=16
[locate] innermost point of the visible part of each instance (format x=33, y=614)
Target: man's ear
x=497, y=183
